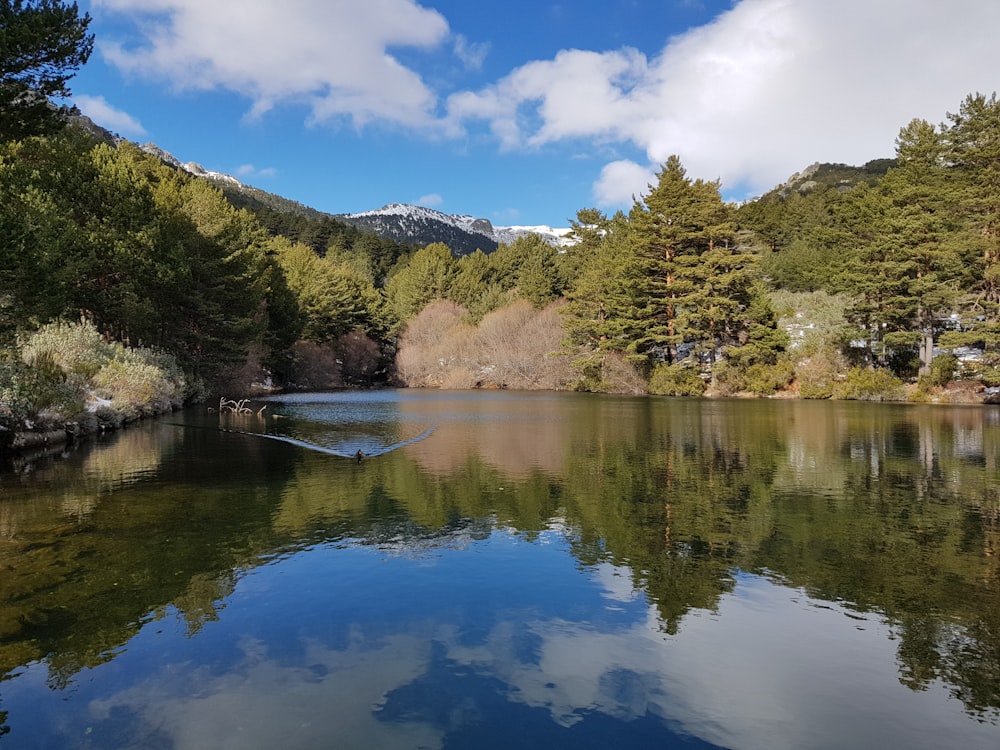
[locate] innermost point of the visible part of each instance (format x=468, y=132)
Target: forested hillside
x=126, y=282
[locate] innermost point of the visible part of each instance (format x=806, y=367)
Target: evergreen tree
x=909, y=259
x=425, y=278
x=474, y=285
x=604, y=312
x=587, y=232
x=972, y=149
x=697, y=280
x=42, y=45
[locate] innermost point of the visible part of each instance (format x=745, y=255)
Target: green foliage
x=606, y=297
x=942, y=372
x=801, y=236
x=77, y=349
x=676, y=380
x=332, y=297
x=694, y=276
x=869, y=384
x=759, y=378
x=42, y=44
x=33, y=394
x=63, y=368
x=424, y=279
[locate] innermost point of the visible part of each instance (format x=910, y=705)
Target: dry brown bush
x=359, y=357
x=433, y=344
x=316, y=366
x=516, y=346
x=618, y=375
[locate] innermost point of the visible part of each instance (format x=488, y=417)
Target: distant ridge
x=462, y=233
x=400, y=222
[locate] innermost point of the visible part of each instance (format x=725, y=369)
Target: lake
x=502, y=570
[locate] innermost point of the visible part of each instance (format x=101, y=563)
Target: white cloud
x=250, y=171
x=472, y=54
x=762, y=91
x=107, y=116
x=430, y=200
x=767, y=88
x=331, y=55
x=621, y=182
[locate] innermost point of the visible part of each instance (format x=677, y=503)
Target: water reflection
x=541, y=569
x=415, y=663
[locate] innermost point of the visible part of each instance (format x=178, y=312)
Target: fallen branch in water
x=236, y=407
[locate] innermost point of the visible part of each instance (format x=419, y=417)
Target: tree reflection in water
x=889, y=513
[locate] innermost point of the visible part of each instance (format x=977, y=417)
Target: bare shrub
x=360, y=357
x=433, y=344
x=518, y=346
x=816, y=377
x=618, y=375
x=461, y=378
x=316, y=366
x=248, y=378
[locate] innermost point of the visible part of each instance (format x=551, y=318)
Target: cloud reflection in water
x=417, y=665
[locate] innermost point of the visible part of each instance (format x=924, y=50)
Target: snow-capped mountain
x=398, y=221
x=190, y=167
x=462, y=233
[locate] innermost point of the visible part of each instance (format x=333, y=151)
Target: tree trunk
x=926, y=351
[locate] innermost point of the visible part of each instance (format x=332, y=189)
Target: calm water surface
x=508, y=570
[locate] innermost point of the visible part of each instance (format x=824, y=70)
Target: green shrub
x=760, y=379
x=37, y=394
x=77, y=348
x=864, y=384
x=62, y=365
x=990, y=377
x=15, y=394
x=942, y=372
x=817, y=389
x=676, y=380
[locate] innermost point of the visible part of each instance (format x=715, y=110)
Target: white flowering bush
x=77, y=348
x=135, y=385
x=68, y=372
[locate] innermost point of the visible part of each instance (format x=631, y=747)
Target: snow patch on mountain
x=190, y=167
x=404, y=222
x=403, y=213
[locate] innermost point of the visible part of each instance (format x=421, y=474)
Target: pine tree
x=972, y=151
x=42, y=44
x=424, y=279
x=910, y=258
x=604, y=312
x=697, y=282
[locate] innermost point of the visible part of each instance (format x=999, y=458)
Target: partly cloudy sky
x=524, y=112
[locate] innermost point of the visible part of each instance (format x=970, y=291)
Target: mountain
x=190, y=167
x=406, y=224
x=826, y=176
x=463, y=234
x=398, y=222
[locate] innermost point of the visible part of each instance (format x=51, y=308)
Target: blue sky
x=525, y=111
